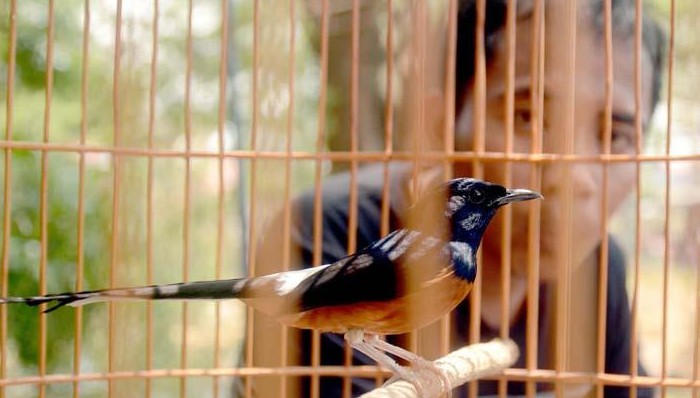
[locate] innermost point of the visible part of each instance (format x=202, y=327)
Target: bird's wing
x=380, y=272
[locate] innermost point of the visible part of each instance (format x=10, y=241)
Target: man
x=586, y=179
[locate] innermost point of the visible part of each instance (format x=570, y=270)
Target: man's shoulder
x=617, y=264
x=369, y=183
x=334, y=203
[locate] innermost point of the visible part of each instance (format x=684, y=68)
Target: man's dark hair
x=495, y=18
x=653, y=38
x=624, y=23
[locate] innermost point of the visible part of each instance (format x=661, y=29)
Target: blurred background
x=159, y=116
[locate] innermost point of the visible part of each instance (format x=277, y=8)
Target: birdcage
x=160, y=141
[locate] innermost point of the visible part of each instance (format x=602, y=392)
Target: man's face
x=586, y=178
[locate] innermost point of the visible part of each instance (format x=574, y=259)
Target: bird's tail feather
x=221, y=289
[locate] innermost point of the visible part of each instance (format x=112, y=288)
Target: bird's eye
x=476, y=196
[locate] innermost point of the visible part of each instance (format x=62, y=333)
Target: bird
x=406, y=280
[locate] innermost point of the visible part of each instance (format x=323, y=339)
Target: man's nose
x=584, y=176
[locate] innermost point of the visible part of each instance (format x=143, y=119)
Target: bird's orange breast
x=416, y=309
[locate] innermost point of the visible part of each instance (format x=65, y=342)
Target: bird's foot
x=425, y=383
x=429, y=379
x=436, y=379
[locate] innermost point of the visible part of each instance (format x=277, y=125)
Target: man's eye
x=623, y=141
x=522, y=119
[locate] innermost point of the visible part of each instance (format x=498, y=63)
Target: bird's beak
x=517, y=195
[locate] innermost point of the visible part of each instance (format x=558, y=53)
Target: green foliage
x=62, y=181
x=169, y=134
x=62, y=245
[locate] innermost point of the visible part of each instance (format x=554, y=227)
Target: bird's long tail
x=221, y=289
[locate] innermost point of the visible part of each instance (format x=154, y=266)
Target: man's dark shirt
x=335, y=204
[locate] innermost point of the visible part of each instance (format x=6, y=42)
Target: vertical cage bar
x=318, y=176
x=385, y=205
x=417, y=134
x=252, y=219
x=534, y=210
x=7, y=181
x=287, y=209
x=149, y=189
x=418, y=101
x=634, y=306
x=478, y=126
x=449, y=130
x=354, y=146
x=221, y=200
x=354, y=124
x=414, y=71
x=667, y=199
x=506, y=212
x=116, y=188
x=388, y=118
x=80, y=261
x=563, y=281
x=44, y=194
x=187, y=193
x=604, y=249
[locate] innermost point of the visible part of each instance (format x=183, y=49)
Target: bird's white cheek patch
x=454, y=204
x=471, y=222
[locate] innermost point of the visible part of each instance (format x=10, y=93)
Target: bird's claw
x=436, y=381
x=428, y=379
x=420, y=373
x=427, y=382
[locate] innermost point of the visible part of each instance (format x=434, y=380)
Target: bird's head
x=472, y=203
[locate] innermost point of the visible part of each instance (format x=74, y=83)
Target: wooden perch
x=460, y=366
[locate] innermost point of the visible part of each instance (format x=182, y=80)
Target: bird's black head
x=465, y=207
x=472, y=203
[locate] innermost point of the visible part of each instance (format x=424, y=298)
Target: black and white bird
x=404, y=281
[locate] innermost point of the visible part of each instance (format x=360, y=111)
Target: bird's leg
x=417, y=362
x=356, y=339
